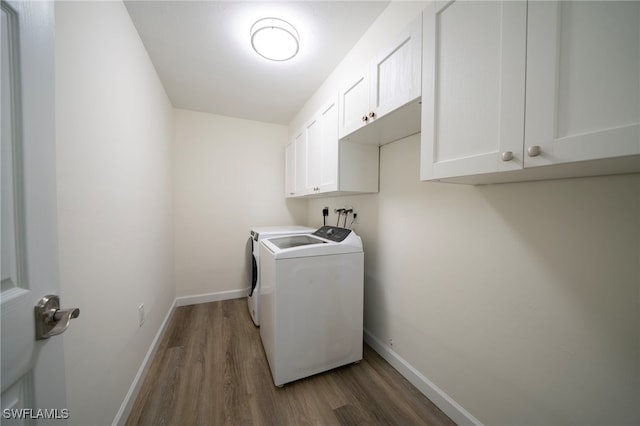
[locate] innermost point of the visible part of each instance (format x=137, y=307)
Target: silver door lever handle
x=62, y=318
x=50, y=319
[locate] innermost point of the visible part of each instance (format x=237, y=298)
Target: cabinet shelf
x=403, y=122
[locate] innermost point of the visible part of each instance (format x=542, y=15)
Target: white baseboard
x=443, y=401
x=130, y=398
x=210, y=297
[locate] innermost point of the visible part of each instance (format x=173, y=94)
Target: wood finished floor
x=210, y=369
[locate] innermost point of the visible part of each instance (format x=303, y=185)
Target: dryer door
x=252, y=266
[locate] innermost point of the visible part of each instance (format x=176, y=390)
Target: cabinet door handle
x=534, y=151
x=372, y=114
x=365, y=118
x=507, y=156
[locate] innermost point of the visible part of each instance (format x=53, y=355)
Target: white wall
x=228, y=176
x=114, y=199
x=520, y=301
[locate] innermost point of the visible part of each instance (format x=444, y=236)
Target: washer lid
x=295, y=241
x=310, y=245
x=260, y=232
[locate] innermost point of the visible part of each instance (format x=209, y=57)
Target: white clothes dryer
x=311, y=297
x=257, y=233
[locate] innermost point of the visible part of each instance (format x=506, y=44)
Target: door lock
x=50, y=319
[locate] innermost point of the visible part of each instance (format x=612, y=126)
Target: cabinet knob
x=534, y=151
x=372, y=114
x=365, y=118
x=507, y=156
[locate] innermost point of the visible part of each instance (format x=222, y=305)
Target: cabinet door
x=300, y=147
x=583, y=80
x=329, y=150
x=322, y=150
x=354, y=104
x=290, y=170
x=396, y=71
x=313, y=131
x=472, y=88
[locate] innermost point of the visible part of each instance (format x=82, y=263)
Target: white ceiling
x=202, y=52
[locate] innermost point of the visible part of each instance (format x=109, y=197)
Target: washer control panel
x=333, y=233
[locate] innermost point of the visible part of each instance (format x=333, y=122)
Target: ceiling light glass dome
x=275, y=39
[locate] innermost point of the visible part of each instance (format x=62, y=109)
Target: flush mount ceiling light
x=275, y=39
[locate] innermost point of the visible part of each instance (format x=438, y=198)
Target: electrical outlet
x=391, y=342
x=141, y=314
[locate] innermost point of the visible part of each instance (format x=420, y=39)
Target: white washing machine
x=253, y=264
x=311, y=297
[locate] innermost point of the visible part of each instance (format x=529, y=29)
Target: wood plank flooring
x=210, y=369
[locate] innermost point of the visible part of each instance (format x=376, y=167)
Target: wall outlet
x=141, y=314
x=391, y=342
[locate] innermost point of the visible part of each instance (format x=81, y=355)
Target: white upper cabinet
x=313, y=160
x=300, y=155
x=395, y=73
x=583, y=81
x=329, y=152
x=354, y=104
x=322, y=150
x=388, y=83
x=324, y=165
x=509, y=87
x=473, y=87
x=290, y=170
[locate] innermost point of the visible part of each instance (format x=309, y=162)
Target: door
x=33, y=388
x=473, y=87
x=290, y=170
x=300, y=150
x=396, y=71
x=313, y=160
x=322, y=150
x=329, y=150
x=354, y=104
x=252, y=265
x=583, y=81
